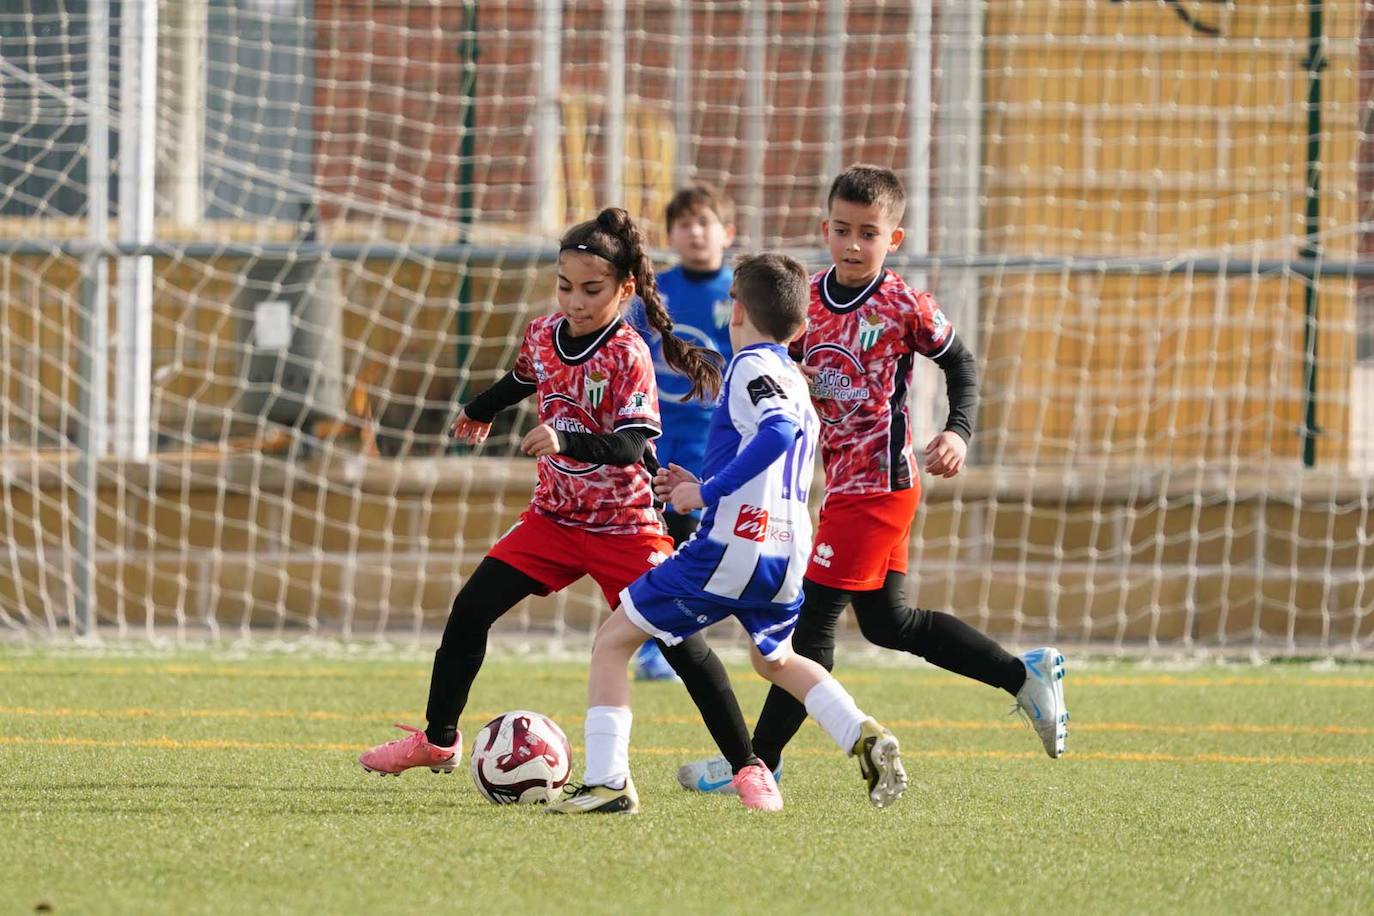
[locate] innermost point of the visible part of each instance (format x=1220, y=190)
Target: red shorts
x=861, y=538
x=558, y=555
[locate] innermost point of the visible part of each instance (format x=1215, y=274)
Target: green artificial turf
x=197, y=783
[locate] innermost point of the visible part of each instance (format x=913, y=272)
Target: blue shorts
x=662, y=604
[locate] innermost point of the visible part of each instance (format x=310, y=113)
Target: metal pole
x=417, y=252
x=137, y=157
x=92, y=403
x=929, y=405
x=756, y=62
x=549, y=37
x=959, y=155
x=918, y=146
x=614, y=121
x=833, y=110
x=467, y=151
x=1315, y=63
x=184, y=101
x=684, y=158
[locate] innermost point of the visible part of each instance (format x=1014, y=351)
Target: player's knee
x=690, y=651
x=617, y=635
x=881, y=630
x=822, y=652
x=769, y=667
x=465, y=626
x=826, y=658
x=811, y=638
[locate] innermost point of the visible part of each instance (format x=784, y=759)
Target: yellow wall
x=398, y=313
x=1114, y=130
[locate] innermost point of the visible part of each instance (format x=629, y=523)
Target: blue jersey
x=700, y=309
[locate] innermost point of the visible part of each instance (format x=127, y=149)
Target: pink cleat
x=757, y=788
x=414, y=750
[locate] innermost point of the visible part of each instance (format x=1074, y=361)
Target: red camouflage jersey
x=864, y=350
x=606, y=387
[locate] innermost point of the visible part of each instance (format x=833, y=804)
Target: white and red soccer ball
x=520, y=757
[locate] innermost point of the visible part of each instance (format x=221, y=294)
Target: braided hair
x=614, y=237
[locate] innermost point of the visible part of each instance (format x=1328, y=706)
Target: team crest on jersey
x=938, y=321
x=540, y=373
x=721, y=311
x=596, y=386
x=870, y=329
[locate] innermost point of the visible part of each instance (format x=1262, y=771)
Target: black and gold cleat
x=584, y=799
x=880, y=763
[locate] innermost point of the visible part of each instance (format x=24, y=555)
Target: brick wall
x=390, y=102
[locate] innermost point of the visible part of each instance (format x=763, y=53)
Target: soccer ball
x=522, y=758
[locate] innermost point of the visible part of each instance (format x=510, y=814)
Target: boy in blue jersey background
x=701, y=226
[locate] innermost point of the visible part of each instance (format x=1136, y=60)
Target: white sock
x=608, y=746
x=832, y=706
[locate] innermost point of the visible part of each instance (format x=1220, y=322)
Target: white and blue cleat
x=650, y=665
x=713, y=776
x=1041, y=698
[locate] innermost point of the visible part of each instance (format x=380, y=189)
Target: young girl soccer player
x=593, y=510
x=746, y=560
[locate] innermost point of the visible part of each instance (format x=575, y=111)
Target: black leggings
x=494, y=588
x=680, y=527
x=884, y=620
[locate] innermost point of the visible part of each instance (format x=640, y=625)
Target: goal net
x=253, y=253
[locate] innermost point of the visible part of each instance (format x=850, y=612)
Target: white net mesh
x=348, y=209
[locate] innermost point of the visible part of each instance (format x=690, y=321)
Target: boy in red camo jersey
x=865, y=327
x=593, y=511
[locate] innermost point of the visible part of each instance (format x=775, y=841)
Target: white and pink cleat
x=414, y=750
x=757, y=789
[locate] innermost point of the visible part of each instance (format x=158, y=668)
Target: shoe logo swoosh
x=1038, y=714
x=710, y=785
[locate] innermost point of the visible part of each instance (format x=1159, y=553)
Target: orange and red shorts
x=557, y=555
x=861, y=538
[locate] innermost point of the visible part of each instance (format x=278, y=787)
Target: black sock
x=814, y=638
x=443, y=736
x=709, y=687
x=941, y=639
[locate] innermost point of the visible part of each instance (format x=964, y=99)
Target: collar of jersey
x=763, y=345
x=579, y=358
x=700, y=276
x=858, y=300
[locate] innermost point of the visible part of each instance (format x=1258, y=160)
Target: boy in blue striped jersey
x=746, y=561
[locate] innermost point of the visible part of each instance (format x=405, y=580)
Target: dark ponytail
x=615, y=237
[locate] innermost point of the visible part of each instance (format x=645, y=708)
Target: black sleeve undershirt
x=620, y=448
x=961, y=385
x=509, y=391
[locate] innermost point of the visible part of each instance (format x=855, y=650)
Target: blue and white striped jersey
x=753, y=543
